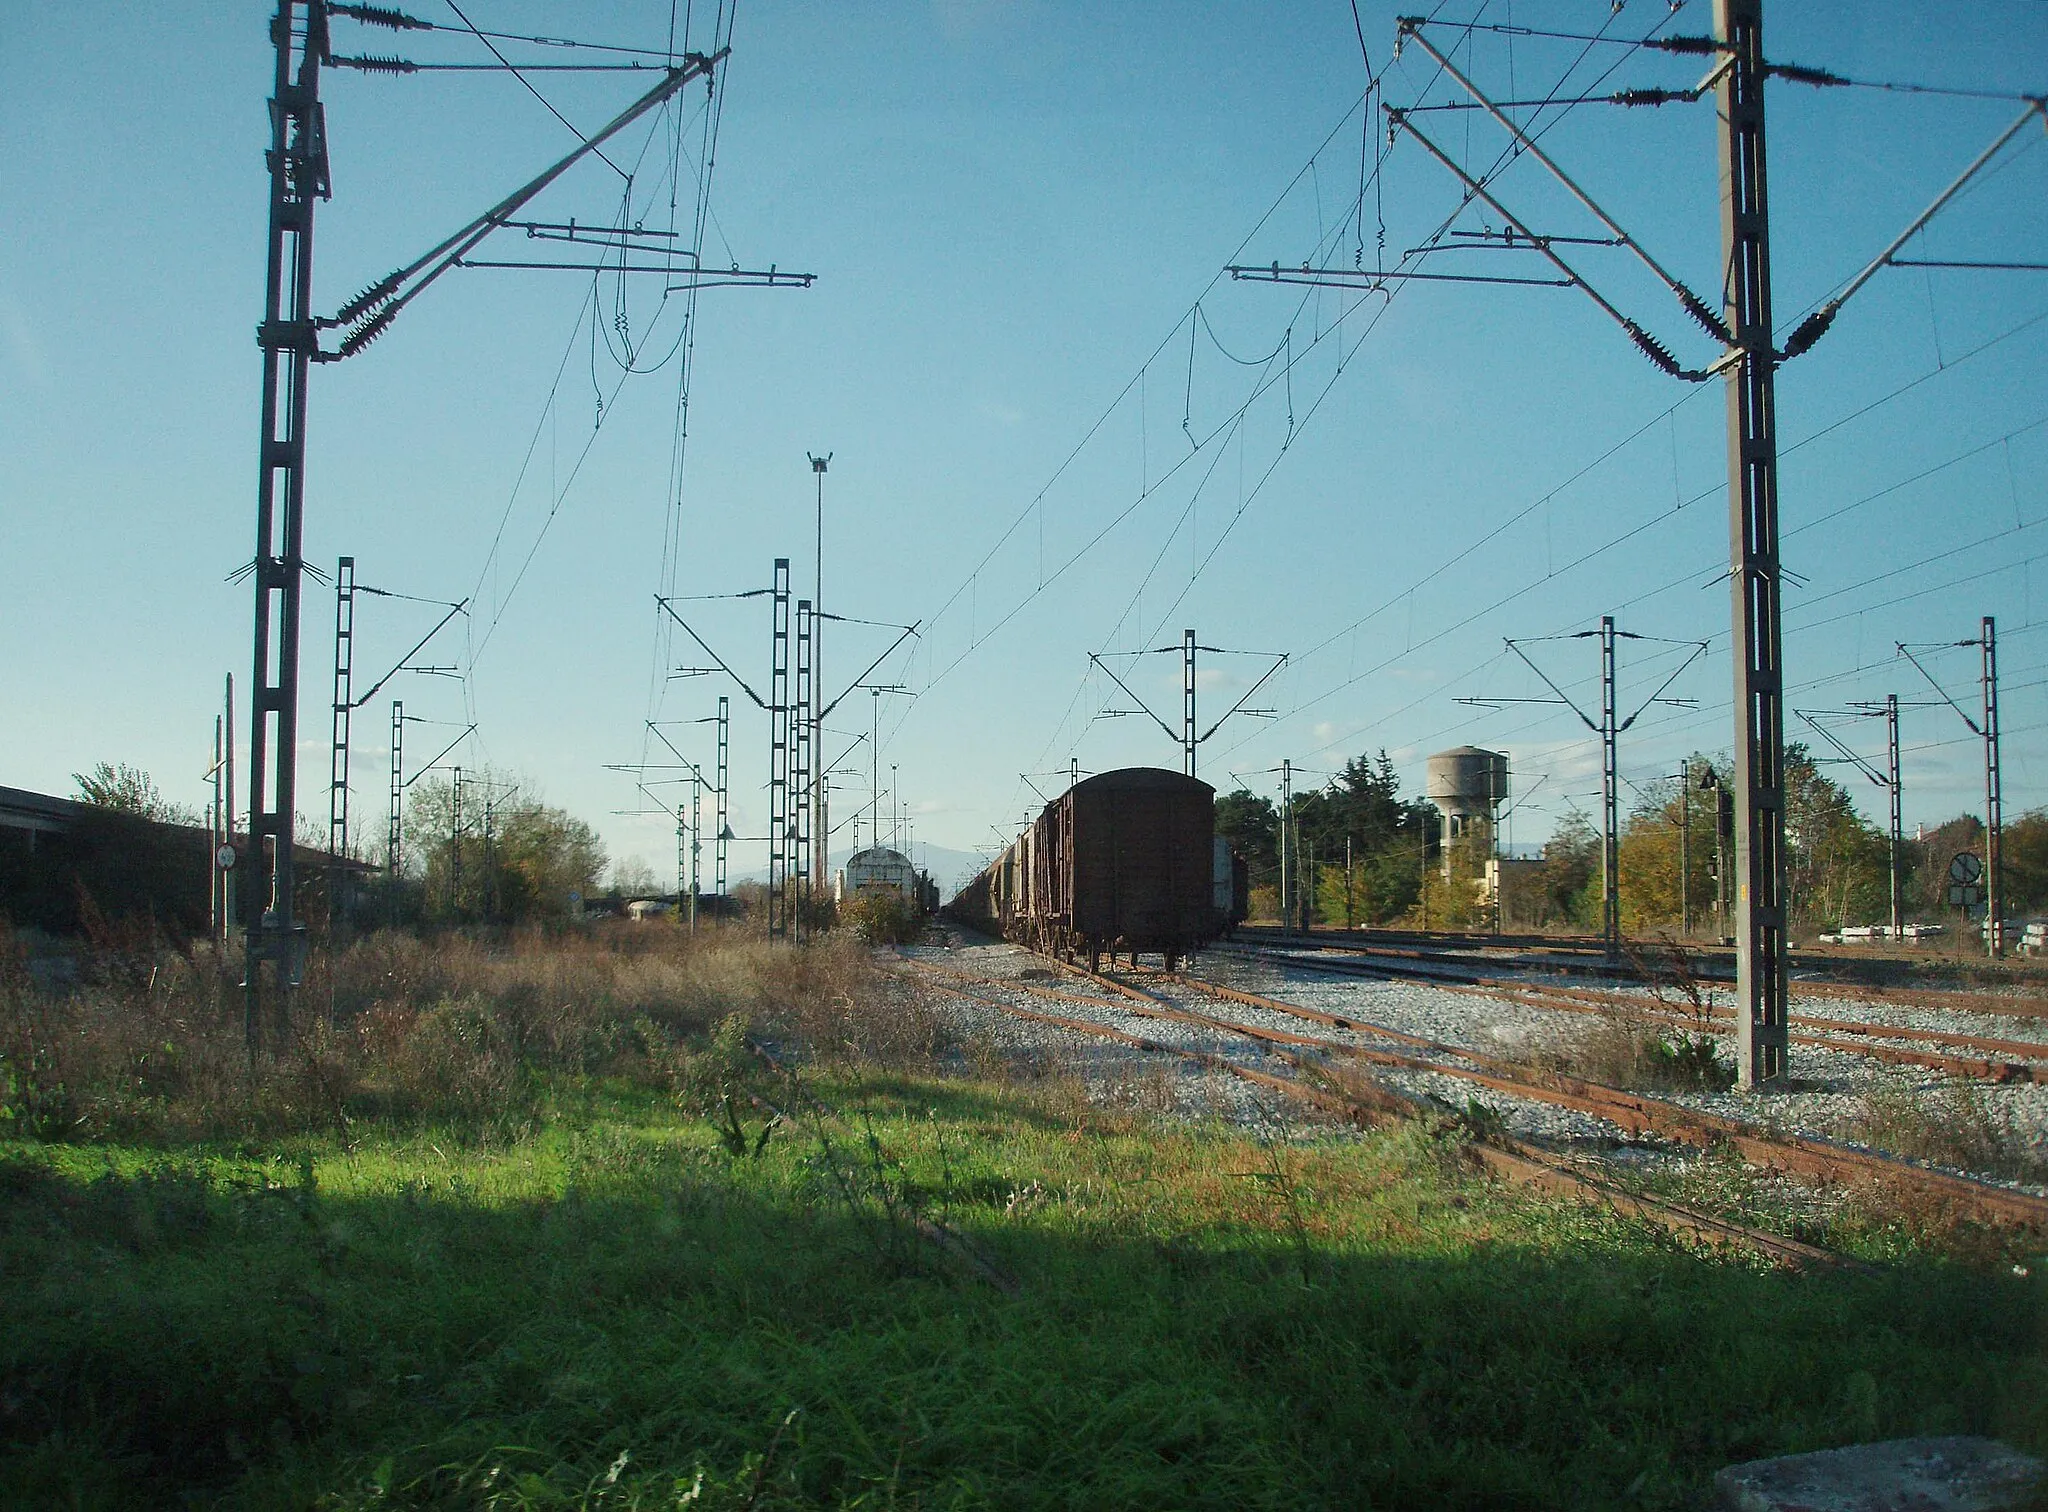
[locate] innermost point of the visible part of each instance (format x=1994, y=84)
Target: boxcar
x=1125, y=861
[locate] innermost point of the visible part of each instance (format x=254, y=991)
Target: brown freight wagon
x=1125, y=862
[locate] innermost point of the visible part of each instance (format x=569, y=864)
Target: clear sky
x=1055, y=428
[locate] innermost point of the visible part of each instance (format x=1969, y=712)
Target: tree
x=1836, y=868
x=129, y=790
x=514, y=861
x=1669, y=833
x=1251, y=826
x=634, y=878
x=2026, y=862
x=1571, y=872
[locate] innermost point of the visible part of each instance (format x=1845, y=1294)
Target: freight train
x=1126, y=861
x=878, y=869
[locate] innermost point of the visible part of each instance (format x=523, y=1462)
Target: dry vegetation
x=150, y=1042
x=1948, y=1124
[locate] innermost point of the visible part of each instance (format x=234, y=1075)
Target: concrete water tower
x=1465, y=784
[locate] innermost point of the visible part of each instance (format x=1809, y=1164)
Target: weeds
x=1627, y=1048
x=1951, y=1124
x=457, y=1033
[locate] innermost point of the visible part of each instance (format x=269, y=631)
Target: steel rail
x=2032, y=1065
x=1642, y=1114
x=1368, y=1105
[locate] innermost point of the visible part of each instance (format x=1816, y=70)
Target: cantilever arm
x=373, y=310
x=1650, y=346
x=758, y=701
x=1171, y=732
x=1589, y=724
x=1815, y=325
x=1694, y=306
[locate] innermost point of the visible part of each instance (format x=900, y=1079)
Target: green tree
x=1836, y=863
x=1668, y=836
x=2026, y=863
x=1251, y=825
x=129, y=790
x=1570, y=887
x=514, y=861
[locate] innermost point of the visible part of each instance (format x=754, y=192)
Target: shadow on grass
x=242, y=1337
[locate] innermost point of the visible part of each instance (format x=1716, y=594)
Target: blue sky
x=1055, y=430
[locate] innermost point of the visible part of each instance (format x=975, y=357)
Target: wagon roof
x=1137, y=779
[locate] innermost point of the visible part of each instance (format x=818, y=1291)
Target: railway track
x=1394, y=1049
x=1568, y=957
x=1980, y=1057
x=1506, y=1158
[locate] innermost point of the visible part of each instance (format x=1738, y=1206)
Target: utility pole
x=337, y=773
x=1986, y=730
x=298, y=177
x=696, y=837
x=1748, y=365
x=1608, y=727
x=1610, y=780
x=394, y=868
x=1891, y=748
x=1994, y=797
x=289, y=339
x=724, y=819
x=230, y=917
x=216, y=918
x=455, y=844
x=1185, y=737
x=820, y=816
x=1685, y=849
x=802, y=796
x=778, y=756
x=1286, y=843
x=1762, y=1021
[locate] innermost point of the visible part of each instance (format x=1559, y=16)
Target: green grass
x=614, y=1311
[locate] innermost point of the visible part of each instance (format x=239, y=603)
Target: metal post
x=455, y=844
x=696, y=837
x=394, y=838
x=1187, y=714
x=1350, y=915
x=1761, y=1023
x=1286, y=846
x=1685, y=849
x=874, y=766
x=802, y=796
x=216, y=916
x=820, y=826
x=1891, y=746
x=298, y=175
x=724, y=817
x=229, y=917
x=1994, y=799
x=1610, y=811
x=337, y=773
x=778, y=757
x=895, y=811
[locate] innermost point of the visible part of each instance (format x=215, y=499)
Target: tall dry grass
x=150, y=1041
